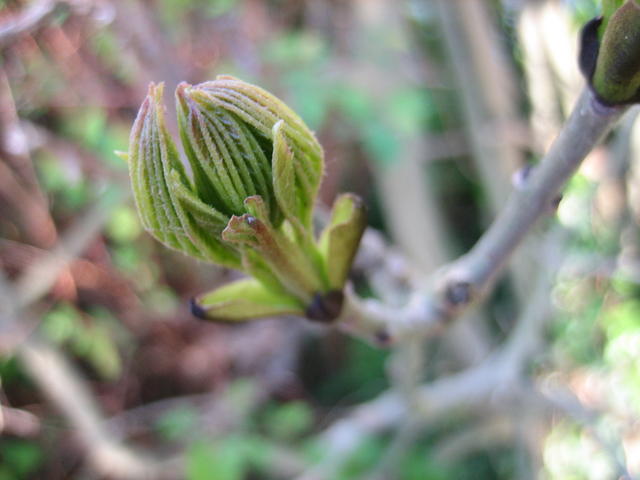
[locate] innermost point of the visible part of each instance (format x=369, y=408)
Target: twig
x=32, y=18
x=469, y=278
x=564, y=401
x=496, y=429
x=496, y=381
x=472, y=45
x=20, y=197
x=459, y=392
x=402, y=441
x=57, y=380
x=54, y=376
x=18, y=422
x=37, y=280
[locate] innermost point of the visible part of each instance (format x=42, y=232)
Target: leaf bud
x=237, y=137
x=610, y=53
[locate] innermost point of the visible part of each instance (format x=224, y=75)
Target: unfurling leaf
x=244, y=300
x=340, y=239
x=157, y=175
x=287, y=261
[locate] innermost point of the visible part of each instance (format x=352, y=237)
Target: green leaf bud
x=617, y=75
x=248, y=204
x=608, y=9
x=610, y=53
x=162, y=189
x=234, y=133
x=228, y=161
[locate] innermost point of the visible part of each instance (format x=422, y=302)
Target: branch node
x=383, y=338
x=458, y=294
x=325, y=307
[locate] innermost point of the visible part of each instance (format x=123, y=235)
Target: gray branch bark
x=469, y=278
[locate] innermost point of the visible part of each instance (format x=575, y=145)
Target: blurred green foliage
x=584, y=10
x=289, y=421
x=224, y=460
x=19, y=459
x=178, y=423
x=360, y=378
x=93, y=130
x=92, y=339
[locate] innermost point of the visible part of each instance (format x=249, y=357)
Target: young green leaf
x=340, y=239
x=244, y=300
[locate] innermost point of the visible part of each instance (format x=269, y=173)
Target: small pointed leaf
x=284, y=176
x=254, y=265
x=286, y=259
x=244, y=300
x=152, y=155
x=340, y=239
x=203, y=225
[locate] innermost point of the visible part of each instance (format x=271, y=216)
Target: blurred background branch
x=29, y=20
